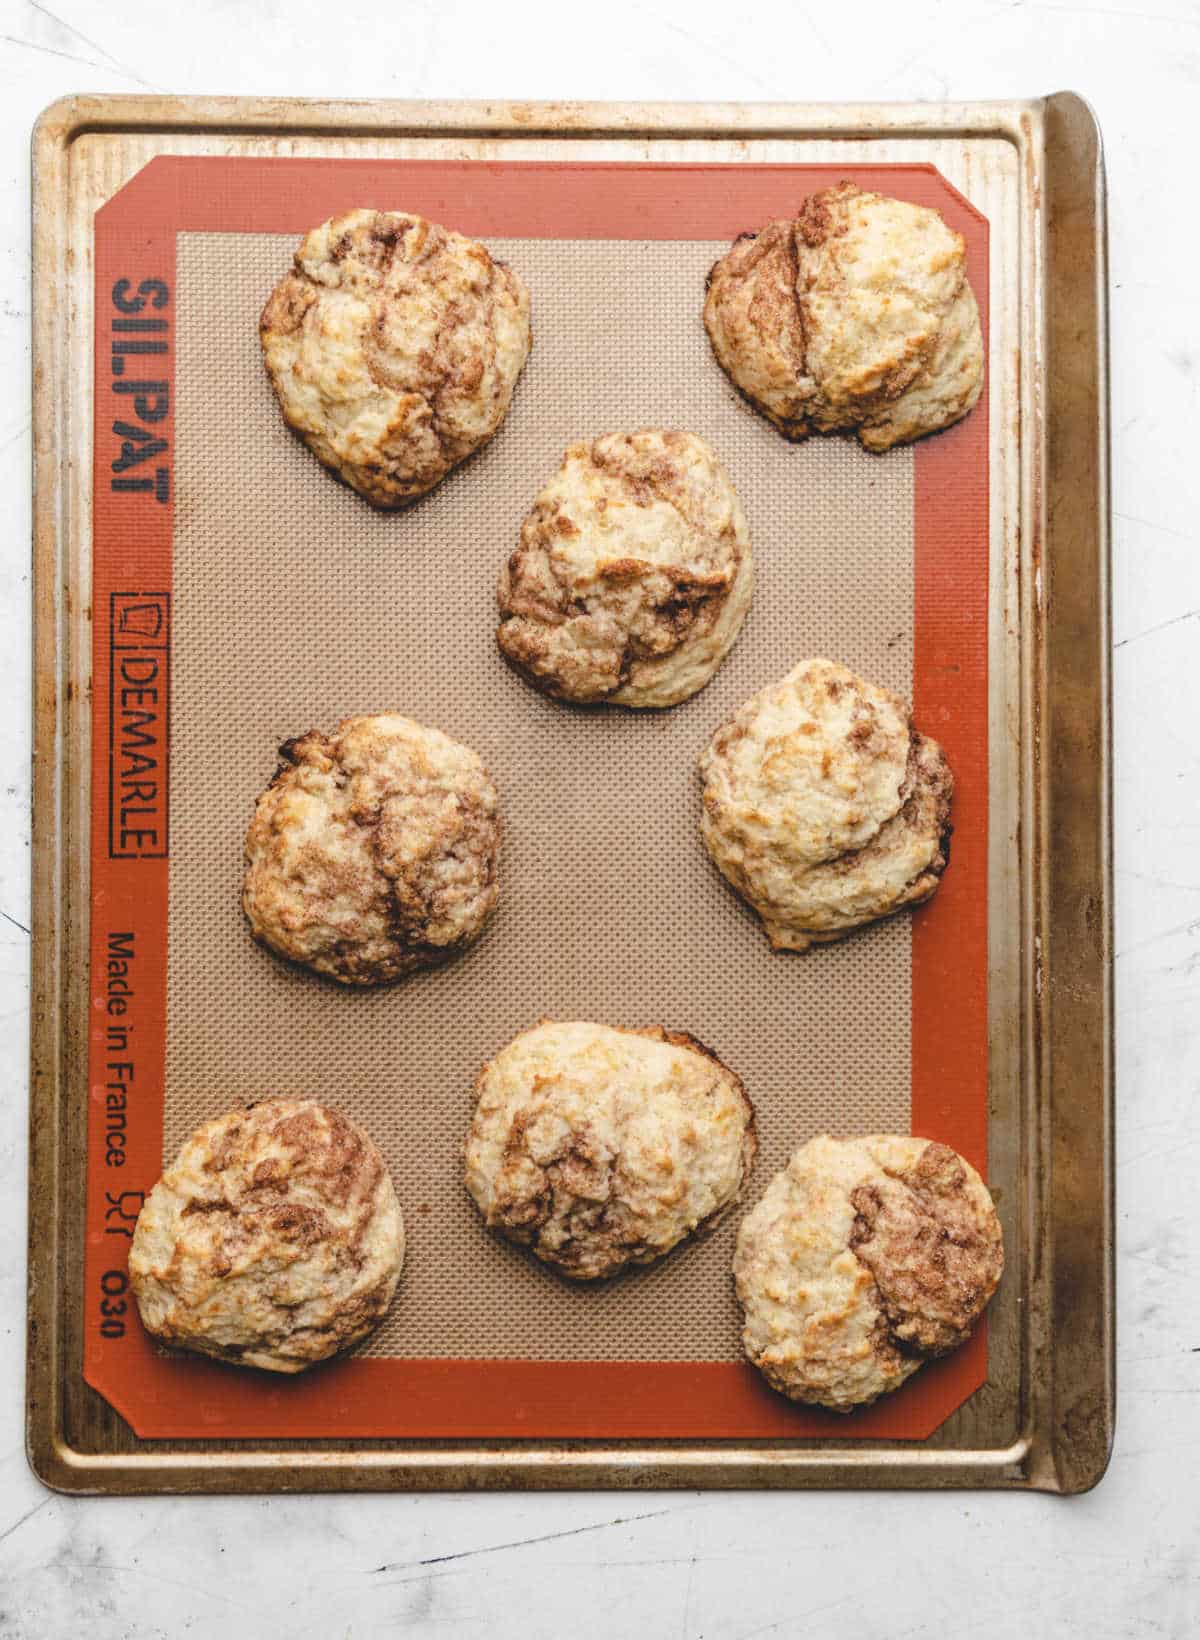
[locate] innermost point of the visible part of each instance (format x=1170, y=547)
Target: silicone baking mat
x=242, y=595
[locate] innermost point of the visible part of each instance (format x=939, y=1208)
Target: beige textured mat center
x=295, y=603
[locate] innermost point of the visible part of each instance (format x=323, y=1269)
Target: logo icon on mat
x=140, y=620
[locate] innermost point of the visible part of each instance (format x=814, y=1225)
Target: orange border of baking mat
x=134, y=440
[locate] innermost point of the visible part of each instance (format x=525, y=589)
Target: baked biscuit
x=393, y=346
x=599, y=1148
x=864, y=1259
x=373, y=850
x=273, y=1240
x=857, y=315
x=633, y=575
x=824, y=807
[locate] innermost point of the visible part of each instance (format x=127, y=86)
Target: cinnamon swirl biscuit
x=373, y=850
x=599, y=1148
x=393, y=346
x=856, y=315
x=633, y=574
x=864, y=1259
x=824, y=807
x=273, y=1240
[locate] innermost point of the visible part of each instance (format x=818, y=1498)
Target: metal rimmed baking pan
x=139, y=199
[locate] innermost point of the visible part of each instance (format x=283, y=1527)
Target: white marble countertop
x=1122, y=1561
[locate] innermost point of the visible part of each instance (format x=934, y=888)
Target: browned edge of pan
x=1075, y=1389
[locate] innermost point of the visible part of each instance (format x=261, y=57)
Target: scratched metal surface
x=1045, y=1417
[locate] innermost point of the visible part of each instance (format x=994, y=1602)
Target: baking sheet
x=996, y=1409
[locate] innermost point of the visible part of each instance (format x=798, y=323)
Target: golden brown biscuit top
x=857, y=314
x=823, y=806
x=633, y=572
x=864, y=1258
x=876, y=278
x=599, y=1147
x=816, y=762
x=373, y=851
x=274, y=1239
x=394, y=346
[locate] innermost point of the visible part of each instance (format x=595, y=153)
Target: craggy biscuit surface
x=864, y=1258
x=753, y=320
x=393, y=346
x=598, y=1147
x=273, y=1240
x=857, y=315
x=373, y=850
x=824, y=807
x=633, y=574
